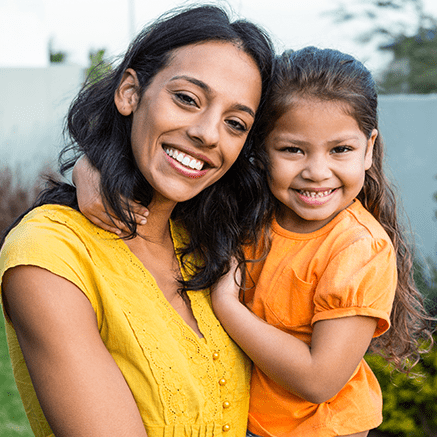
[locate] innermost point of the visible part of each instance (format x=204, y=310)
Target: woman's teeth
x=184, y=159
x=315, y=194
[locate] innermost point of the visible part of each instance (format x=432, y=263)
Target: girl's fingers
x=140, y=219
x=116, y=227
x=139, y=212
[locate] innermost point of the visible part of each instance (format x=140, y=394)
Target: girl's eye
x=235, y=124
x=293, y=150
x=341, y=149
x=185, y=99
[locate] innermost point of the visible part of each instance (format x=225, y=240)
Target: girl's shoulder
x=360, y=219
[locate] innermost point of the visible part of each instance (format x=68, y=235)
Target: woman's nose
x=206, y=129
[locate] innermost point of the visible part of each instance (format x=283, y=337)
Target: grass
x=13, y=420
x=15, y=197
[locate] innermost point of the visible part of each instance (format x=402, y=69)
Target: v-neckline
x=163, y=298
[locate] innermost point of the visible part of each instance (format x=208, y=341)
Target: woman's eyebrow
x=205, y=87
x=194, y=81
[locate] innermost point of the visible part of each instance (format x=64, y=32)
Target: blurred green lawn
x=13, y=420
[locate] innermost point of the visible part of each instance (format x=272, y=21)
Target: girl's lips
x=318, y=197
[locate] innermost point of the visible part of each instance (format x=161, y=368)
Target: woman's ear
x=126, y=96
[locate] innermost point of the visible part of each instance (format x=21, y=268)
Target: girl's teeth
x=315, y=193
x=185, y=159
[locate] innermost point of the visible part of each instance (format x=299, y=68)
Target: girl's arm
x=86, y=178
x=315, y=373
x=79, y=386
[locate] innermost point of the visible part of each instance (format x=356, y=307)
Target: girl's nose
x=316, y=169
x=206, y=129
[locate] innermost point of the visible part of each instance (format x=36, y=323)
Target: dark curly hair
x=219, y=217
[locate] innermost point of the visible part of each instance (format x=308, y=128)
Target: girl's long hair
x=219, y=217
x=330, y=75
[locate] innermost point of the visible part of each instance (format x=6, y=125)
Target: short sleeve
x=44, y=241
x=359, y=281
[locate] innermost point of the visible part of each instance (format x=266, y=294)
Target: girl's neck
x=292, y=222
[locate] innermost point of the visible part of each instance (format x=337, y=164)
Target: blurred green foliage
x=410, y=407
x=98, y=66
x=414, y=67
x=408, y=31
x=13, y=420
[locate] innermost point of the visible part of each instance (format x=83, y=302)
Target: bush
x=15, y=196
x=410, y=407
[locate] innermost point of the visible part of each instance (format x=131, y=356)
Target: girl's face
x=193, y=119
x=318, y=157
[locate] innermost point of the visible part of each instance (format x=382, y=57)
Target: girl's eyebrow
x=340, y=140
x=305, y=143
x=205, y=87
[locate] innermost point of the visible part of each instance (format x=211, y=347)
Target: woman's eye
x=237, y=125
x=185, y=99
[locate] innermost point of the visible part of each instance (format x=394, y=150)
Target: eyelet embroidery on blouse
x=199, y=353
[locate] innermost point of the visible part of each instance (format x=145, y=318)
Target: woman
x=114, y=342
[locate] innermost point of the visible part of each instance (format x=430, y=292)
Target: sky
x=78, y=26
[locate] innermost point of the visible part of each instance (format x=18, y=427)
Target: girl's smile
x=318, y=159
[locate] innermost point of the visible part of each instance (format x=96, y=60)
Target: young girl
x=338, y=265
x=338, y=271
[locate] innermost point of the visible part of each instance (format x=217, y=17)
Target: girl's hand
x=91, y=204
x=227, y=289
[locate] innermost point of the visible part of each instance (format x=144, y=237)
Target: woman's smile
x=192, y=121
x=186, y=163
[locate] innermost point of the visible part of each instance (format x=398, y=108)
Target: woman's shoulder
x=50, y=230
x=49, y=222
x=52, y=214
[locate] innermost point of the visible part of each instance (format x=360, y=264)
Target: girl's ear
x=368, y=159
x=126, y=96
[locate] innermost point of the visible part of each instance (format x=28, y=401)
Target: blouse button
x=226, y=404
x=226, y=428
x=215, y=356
x=222, y=381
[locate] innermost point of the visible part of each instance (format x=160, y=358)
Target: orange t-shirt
x=347, y=268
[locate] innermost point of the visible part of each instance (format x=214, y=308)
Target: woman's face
x=193, y=119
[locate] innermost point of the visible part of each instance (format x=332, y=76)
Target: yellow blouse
x=183, y=385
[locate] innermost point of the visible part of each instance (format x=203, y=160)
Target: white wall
x=33, y=104
x=408, y=124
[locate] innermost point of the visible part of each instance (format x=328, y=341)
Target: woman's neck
x=157, y=227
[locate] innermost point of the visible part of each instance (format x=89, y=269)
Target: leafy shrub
x=410, y=407
x=15, y=196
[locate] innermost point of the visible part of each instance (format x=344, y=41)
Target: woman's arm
x=314, y=373
x=86, y=178
x=79, y=386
